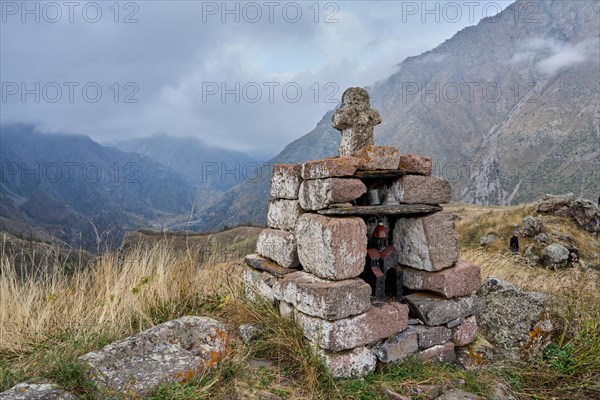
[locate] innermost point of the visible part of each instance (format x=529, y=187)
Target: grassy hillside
x=45, y=324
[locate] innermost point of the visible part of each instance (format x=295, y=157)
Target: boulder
x=330, y=300
x=507, y=316
x=332, y=248
x=381, y=321
x=418, y=189
x=462, y=279
x=317, y=194
x=415, y=165
x=279, y=246
x=555, y=256
x=285, y=181
x=583, y=212
x=36, y=391
x=329, y=167
x=353, y=363
x=174, y=351
x=429, y=243
x=542, y=238
x=397, y=347
x=531, y=226
x=434, y=310
x=378, y=157
x=283, y=214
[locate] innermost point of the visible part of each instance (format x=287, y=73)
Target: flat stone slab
x=37, y=391
x=330, y=300
x=400, y=209
x=429, y=243
x=465, y=333
x=418, y=165
x=316, y=194
x=173, y=351
x=435, y=310
x=418, y=189
x=264, y=264
x=329, y=167
x=283, y=214
x=332, y=248
x=462, y=279
x=397, y=347
x=443, y=353
x=378, y=157
x=381, y=321
x=260, y=284
x=349, y=364
x=279, y=246
x=285, y=181
x=429, y=336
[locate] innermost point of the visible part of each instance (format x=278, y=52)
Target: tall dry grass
x=117, y=295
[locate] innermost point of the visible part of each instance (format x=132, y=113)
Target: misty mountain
x=202, y=165
x=73, y=189
x=508, y=109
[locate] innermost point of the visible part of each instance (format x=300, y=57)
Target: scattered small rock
x=542, y=238
x=488, y=239
x=250, y=332
x=33, y=391
x=457, y=394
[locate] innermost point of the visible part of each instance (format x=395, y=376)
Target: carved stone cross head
x=355, y=120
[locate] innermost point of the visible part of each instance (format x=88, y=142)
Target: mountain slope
x=77, y=190
x=508, y=109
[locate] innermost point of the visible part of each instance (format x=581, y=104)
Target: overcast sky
x=250, y=76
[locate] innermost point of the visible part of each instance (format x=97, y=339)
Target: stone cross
x=355, y=120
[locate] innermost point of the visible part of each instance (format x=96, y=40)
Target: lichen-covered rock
x=326, y=299
x=36, y=391
x=507, y=315
x=415, y=165
x=397, y=347
x=488, y=239
x=332, y=248
x=555, y=256
x=378, y=157
x=260, y=284
x=381, y=321
x=429, y=336
x=349, y=364
x=279, y=246
x=317, y=194
x=250, y=332
x=462, y=279
x=283, y=214
x=434, y=310
x=429, y=243
x=465, y=333
x=173, y=351
x=418, y=189
x=329, y=167
x=285, y=181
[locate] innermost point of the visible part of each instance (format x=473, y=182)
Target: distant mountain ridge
x=508, y=109
x=75, y=190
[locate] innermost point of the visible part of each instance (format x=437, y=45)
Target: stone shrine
x=360, y=254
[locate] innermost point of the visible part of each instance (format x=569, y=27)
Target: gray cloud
x=177, y=51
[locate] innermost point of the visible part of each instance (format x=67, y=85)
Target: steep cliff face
x=508, y=109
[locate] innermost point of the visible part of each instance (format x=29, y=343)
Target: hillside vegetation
x=49, y=319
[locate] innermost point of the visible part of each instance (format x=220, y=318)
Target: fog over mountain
x=509, y=110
